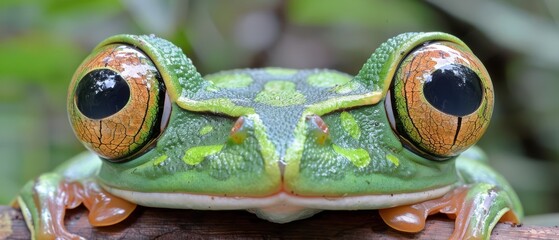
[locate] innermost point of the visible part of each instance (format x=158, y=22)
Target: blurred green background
x=42, y=43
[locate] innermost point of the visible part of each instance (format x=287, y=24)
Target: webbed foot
x=476, y=208
x=45, y=200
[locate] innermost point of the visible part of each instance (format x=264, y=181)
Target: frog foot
x=476, y=208
x=44, y=203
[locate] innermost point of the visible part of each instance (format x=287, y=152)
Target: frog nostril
x=239, y=131
x=320, y=129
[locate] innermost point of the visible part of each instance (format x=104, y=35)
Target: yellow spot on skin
x=159, y=160
x=237, y=80
x=393, y=159
x=218, y=105
x=205, y=130
x=328, y=79
x=196, y=155
x=350, y=125
x=359, y=157
x=334, y=104
x=280, y=94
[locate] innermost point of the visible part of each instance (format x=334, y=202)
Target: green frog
x=281, y=143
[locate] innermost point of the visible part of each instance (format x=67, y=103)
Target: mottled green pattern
x=328, y=79
x=196, y=155
x=379, y=69
x=340, y=176
x=276, y=104
x=382, y=61
x=237, y=170
x=180, y=76
x=359, y=157
x=238, y=80
x=280, y=94
x=220, y=105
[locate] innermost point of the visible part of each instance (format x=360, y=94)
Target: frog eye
x=441, y=99
x=117, y=102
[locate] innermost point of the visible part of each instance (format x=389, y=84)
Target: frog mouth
x=280, y=207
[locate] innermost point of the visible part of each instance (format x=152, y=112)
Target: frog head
x=395, y=127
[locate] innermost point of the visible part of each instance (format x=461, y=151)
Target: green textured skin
x=377, y=72
x=253, y=167
x=181, y=77
x=233, y=170
x=281, y=144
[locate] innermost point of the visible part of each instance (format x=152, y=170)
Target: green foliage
x=362, y=13
x=39, y=59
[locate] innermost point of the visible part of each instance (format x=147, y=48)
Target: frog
x=399, y=136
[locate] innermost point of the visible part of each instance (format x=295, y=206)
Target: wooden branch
x=149, y=223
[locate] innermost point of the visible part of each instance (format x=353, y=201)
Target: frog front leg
x=44, y=201
x=483, y=199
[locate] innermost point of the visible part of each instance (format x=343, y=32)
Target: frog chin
x=283, y=213
x=280, y=207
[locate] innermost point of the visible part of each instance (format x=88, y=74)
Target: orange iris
x=441, y=99
x=116, y=101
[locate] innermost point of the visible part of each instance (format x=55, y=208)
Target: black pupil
x=454, y=89
x=101, y=93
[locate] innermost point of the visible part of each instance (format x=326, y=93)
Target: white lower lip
x=281, y=199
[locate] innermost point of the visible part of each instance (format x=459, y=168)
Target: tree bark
x=149, y=223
